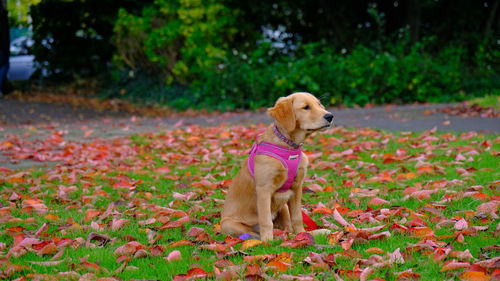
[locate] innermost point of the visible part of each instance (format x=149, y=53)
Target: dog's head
x=301, y=111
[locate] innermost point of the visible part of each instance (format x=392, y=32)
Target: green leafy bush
x=361, y=76
x=179, y=39
x=399, y=73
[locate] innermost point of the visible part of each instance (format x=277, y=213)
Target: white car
x=22, y=64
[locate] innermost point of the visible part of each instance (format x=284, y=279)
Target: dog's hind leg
x=283, y=221
x=235, y=228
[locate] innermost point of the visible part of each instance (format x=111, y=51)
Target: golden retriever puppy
x=267, y=191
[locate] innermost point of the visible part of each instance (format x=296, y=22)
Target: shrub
x=361, y=76
x=181, y=39
x=396, y=73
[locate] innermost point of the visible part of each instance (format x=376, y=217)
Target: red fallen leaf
x=129, y=248
x=36, y=204
x=215, y=247
x=299, y=277
x=481, y=196
x=365, y=273
x=321, y=210
x=441, y=253
x=474, y=276
x=147, y=222
x=253, y=270
x=172, y=224
x=489, y=208
x=204, y=184
x=47, y=263
x=162, y=170
x=352, y=253
x=226, y=182
x=308, y=222
x=407, y=275
x=373, y=229
x=117, y=224
x=300, y=240
x=422, y=194
x=320, y=261
x=496, y=274
x=463, y=255
x=315, y=187
x=489, y=263
x=14, y=230
x=380, y=236
x=226, y=274
x=378, y=201
x=231, y=241
x=193, y=273
x=90, y=265
x=14, y=197
x=223, y=263
x=460, y=238
x=48, y=249
x=396, y=257
x=425, y=170
x=416, y=222
x=453, y=265
x=180, y=243
x=195, y=231
x=346, y=244
x=334, y=238
x=124, y=184
x=5, y=169
x=39, y=245
x=174, y=256
x=156, y=250
x=351, y=274
x=461, y=224
x=121, y=259
x=338, y=218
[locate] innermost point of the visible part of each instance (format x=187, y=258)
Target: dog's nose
x=328, y=117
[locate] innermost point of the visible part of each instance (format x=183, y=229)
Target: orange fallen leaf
x=250, y=243
x=374, y=250
x=91, y=214
x=279, y=265
x=474, y=276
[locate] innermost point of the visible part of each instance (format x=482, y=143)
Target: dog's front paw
x=299, y=229
x=266, y=236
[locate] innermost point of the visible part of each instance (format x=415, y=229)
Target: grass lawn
x=400, y=206
x=488, y=101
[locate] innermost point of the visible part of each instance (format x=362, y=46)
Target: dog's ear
x=283, y=113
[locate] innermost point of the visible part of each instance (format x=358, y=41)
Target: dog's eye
x=307, y=107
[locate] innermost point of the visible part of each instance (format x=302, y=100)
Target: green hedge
x=397, y=73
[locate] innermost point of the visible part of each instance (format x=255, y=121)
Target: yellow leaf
x=250, y=243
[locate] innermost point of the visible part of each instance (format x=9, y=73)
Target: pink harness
x=290, y=158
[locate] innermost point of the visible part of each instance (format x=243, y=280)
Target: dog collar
x=285, y=140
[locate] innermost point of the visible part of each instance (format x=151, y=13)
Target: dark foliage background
x=226, y=54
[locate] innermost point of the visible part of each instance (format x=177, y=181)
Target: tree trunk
x=489, y=22
x=414, y=13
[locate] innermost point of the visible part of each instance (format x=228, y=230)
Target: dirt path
x=37, y=121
